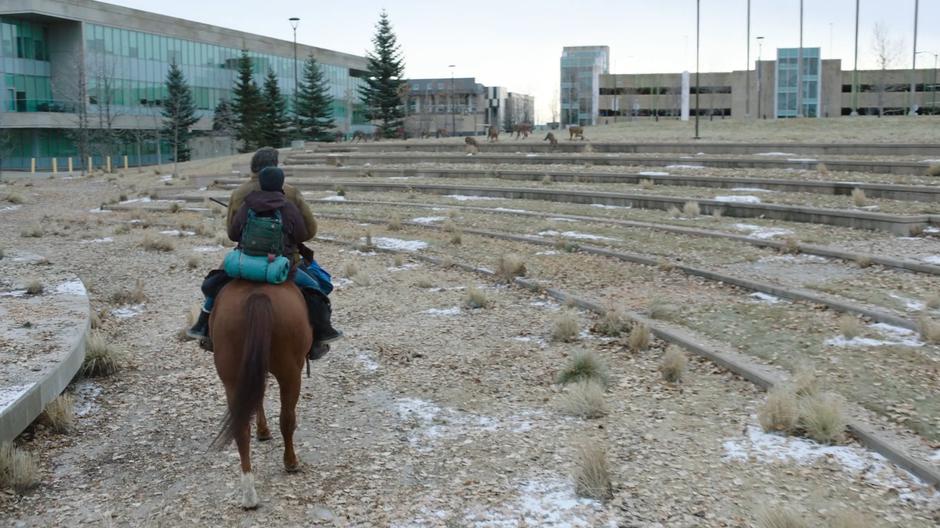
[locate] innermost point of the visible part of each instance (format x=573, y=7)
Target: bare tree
x=554, y=106
x=887, y=50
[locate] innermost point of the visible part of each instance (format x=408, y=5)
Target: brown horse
x=575, y=132
x=551, y=140
x=259, y=328
x=493, y=134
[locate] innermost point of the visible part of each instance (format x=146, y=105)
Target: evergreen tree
x=274, y=123
x=223, y=120
x=248, y=106
x=386, y=67
x=179, y=113
x=314, y=103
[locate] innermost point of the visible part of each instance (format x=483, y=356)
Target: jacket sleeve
x=297, y=227
x=297, y=198
x=238, y=224
x=234, y=204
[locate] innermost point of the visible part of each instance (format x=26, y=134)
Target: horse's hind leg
x=249, y=495
x=263, y=433
x=290, y=393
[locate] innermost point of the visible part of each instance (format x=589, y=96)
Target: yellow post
x=108, y=162
x=125, y=162
x=32, y=165
x=70, y=165
x=55, y=165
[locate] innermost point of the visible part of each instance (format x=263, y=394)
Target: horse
x=471, y=145
x=551, y=140
x=522, y=129
x=359, y=136
x=575, y=132
x=258, y=328
x=493, y=134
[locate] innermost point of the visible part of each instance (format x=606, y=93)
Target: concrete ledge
x=917, y=193
x=898, y=224
x=881, y=167
x=36, y=389
x=761, y=375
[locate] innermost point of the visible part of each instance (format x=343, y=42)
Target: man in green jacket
x=312, y=280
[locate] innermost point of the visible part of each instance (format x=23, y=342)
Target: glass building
x=581, y=68
x=58, y=58
x=787, y=79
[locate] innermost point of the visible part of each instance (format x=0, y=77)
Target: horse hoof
x=293, y=468
x=264, y=437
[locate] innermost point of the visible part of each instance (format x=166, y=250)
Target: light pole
x=913, y=110
x=747, y=100
x=933, y=97
x=453, y=106
x=855, y=66
x=698, y=8
x=799, y=69
x=760, y=43
x=294, y=22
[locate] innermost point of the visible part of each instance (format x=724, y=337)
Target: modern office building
x=767, y=92
x=65, y=61
x=461, y=106
x=581, y=70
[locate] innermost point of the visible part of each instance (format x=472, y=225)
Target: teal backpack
x=261, y=257
x=263, y=235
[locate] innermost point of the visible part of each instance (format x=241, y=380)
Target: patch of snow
x=365, y=360
x=907, y=337
x=738, y=199
x=426, y=220
x=868, y=466
x=143, y=199
x=439, y=312
x=341, y=283
x=798, y=259
x=930, y=161
x=86, y=394
x=177, y=232
x=9, y=208
x=576, y=235
x=757, y=231
x=803, y=160
x=767, y=298
x=336, y=198
x=653, y=173
x=396, y=243
x=126, y=312
x=774, y=154
x=13, y=293
x=751, y=189
x=73, y=287
x=403, y=267
x=8, y=395
x=545, y=304
x=104, y=240
x=505, y=210
x=683, y=166
x=465, y=198
x=605, y=206
x=932, y=259
x=562, y=220
x=400, y=177
x=911, y=304
x=97, y=210
x=531, y=155
x=895, y=336
x=543, y=501
x=208, y=249
x=547, y=253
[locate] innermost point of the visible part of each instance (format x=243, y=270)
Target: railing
x=40, y=105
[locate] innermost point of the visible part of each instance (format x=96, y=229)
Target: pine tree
x=274, y=123
x=314, y=103
x=247, y=106
x=179, y=113
x=223, y=119
x=386, y=67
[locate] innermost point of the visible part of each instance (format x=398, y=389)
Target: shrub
x=398, y=261
x=932, y=302
x=475, y=298
x=340, y=191
x=449, y=226
x=584, y=365
x=673, y=365
x=804, y=382
x=59, y=415
x=639, y=338
x=132, y=296
x=822, y=169
x=850, y=327
x=456, y=238
x=510, y=267
x=674, y=212
x=591, y=474
x=34, y=287
x=647, y=184
x=664, y=264
x=916, y=230
x=659, y=309
x=17, y=468
x=791, y=246
x=613, y=323
x=779, y=518
x=424, y=282
x=933, y=170
x=780, y=412
x=565, y=327
x=14, y=199
x=584, y=399
x=563, y=244
x=175, y=207
x=32, y=232
x=822, y=417
x=863, y=261
x=717, y=213
x=691, y=209
x=858, y=197
x=192, y=262
x=350, y=269
x=156, y=243
x=547, y=179
x=101, y=359
x=394, y=223
x=929, y=330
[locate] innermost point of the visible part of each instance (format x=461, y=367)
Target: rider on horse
x=265, y=194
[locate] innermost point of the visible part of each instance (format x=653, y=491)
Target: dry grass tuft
x=613, y=323
x=350, y=269
x=101, y=359
x=674, y=212
x=14, y=199
x=822, y=418
x=850, y=519
x=664, y=264
x=929, y=330
x=424, y=282
x=850, y=327
x=340, y=191
x=663, y=310
x=547, y=179
x=394, y=223
x=157, y=243
x=563, y=244
x=591, y=474
x=639, y=338
x=780, y=413
x=584, y=365
x=34, y=287
x=933, y=301
x=916, y=230
x=717, y=213
x=691, y=209
x=449, y=226
x=565, y=327
x=456, y=238
x=858, y=197
x=32, y=232
x=804, y=382
x=791, y=246
x=17, y=468
x=775, y=517
x=362, y=279
x=175, y=207
x=647, y=184
x=821, y=168
x=863, y=261
x=674, y=364
x=192, y=262
x=132, y=296
x=584, y=399
x=475, y=298
x=59, y=415
x=398, y=261
x=933, y=170
x=509, y=267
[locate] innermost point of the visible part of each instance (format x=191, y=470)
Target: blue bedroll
x=256, y=268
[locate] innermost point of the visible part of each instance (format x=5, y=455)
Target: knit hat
x=264, y=157
x=271, y=179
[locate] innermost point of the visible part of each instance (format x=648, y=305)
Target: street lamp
x=698, y=6
x=913, y=110
x=453, y=106
x=933, y=97
x=747, y=70
x=855, y=66
x=294, y=22
x=799, y=69
x=760, y=46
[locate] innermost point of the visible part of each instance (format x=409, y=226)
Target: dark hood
x=264, y=201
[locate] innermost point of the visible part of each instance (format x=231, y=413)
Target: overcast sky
x=517, y=44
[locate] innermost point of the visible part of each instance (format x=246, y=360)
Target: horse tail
x=249, y=392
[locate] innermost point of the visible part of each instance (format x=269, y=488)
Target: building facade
x=461, y=106
x=72, y=64
x=581, y=71
x=769, y=92
x=520, y=109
